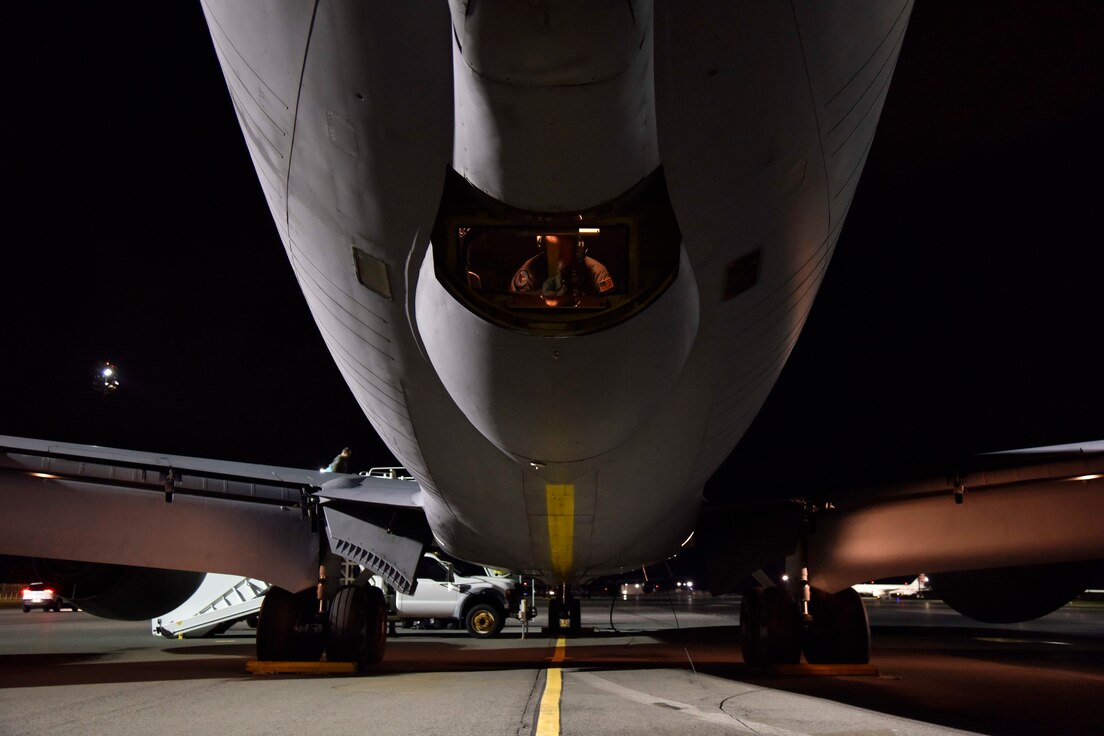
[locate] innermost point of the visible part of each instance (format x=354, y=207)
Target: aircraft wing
x=1034, y=506
x=104, y=505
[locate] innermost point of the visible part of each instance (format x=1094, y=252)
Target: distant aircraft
x=915, y=588
x=560, y=252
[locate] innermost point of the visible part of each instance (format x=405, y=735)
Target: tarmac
x=653, y=665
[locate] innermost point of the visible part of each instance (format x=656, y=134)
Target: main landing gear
x=293, y=627
x=564, y=612
x=775, y=629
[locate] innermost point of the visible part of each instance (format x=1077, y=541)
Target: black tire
x=282, y=624
x=751, y=611
x=575, y=614
x=840, y=631
x=554, y=617
x=26, y=609
x=779, y=627
x=377, y=626
x=358, y=626
x=485, y=620
x=852, y=627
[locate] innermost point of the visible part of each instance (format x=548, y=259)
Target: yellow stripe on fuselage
x=561, y=526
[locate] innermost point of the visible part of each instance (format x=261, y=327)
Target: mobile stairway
x=220, y=602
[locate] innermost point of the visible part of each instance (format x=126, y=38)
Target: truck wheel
x=485, y=620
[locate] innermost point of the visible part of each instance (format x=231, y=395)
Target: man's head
x=561, y=250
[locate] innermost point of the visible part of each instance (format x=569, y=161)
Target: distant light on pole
x=106, y=379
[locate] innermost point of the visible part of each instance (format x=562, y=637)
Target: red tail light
x=48, y=592
x=26, y=591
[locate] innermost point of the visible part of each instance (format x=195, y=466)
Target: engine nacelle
x=1007, y=595
x=118, y=591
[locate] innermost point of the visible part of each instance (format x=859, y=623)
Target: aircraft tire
x=347, y=638
x=358, y=626
x=840, y=631
x=377, y=626
x=575, y=614
x=280, y=627
x=771, y=634
x=554, y=617
x=751, y=611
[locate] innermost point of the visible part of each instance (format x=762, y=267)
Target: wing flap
x=82, y=502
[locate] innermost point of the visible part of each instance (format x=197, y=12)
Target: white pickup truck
x=452, y=592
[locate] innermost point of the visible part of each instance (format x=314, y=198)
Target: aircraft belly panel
x=631, y=505
x=554, y=399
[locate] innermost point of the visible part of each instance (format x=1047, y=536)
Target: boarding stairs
x=220, y=602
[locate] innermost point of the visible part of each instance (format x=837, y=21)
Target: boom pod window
x=561, y=274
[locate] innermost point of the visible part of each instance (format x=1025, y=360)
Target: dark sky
x=962, y=311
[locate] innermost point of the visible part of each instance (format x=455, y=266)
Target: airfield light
x=106, y=379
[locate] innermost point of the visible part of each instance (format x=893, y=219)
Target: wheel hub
x=483, y=622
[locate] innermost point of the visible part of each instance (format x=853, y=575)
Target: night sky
x=962, y=312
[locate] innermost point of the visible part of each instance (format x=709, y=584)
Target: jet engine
x=1006, y=595
x=119, y=592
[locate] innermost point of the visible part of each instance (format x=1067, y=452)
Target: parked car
x=451, y=594
x=37, y=595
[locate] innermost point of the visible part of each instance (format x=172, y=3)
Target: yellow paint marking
x=548, y=716
x=561, y=525
x=561, y=650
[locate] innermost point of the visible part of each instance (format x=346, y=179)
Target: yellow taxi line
x=548, y=713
